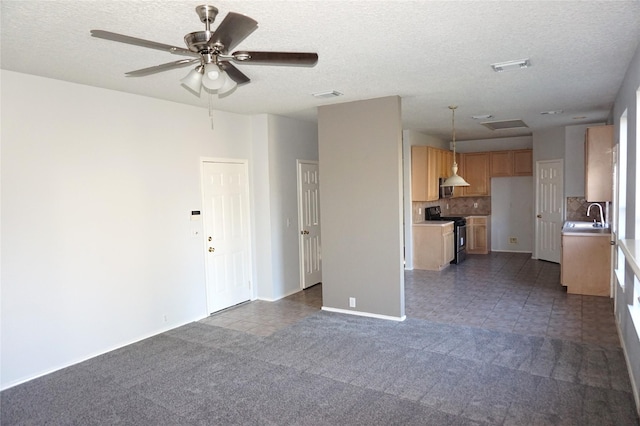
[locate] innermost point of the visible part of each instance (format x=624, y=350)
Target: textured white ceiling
x=431, y=53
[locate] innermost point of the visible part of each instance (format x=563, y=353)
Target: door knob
x=211, y=249
x=305, y=232
x=539, y=216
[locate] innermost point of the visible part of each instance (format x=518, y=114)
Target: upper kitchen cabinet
x=475, y=170
x=511, y=163
x=501, y=163
x=523, y=162
x=598, y=170
x=424, y=173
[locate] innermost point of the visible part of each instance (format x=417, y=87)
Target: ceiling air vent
x=506, y=124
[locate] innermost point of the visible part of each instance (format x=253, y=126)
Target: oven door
x=461, y=237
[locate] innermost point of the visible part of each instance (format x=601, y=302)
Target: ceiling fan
x=209, y=50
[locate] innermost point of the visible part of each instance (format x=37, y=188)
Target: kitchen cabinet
x=423, y=173
x=523, y=162
x=586, y=264
x=598, y=183
x=511, y=163
x=475, y=170
x=501, y=163
x=478, y=234
x=433, y=245
x=446, y=161
x=428, y=164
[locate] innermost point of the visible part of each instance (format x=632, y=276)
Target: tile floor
x=264, y=318
x=500, y=291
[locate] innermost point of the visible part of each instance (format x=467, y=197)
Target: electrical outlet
x=419, y=210
x=475, y=205
x=513, y=240
x=352, y=302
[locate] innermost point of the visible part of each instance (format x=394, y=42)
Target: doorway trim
x=300, y=200
x=249, y=219
x=561, y=200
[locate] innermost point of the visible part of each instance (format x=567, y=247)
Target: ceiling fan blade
x=232, y=30
x=163, y=67
x=107, y=35
x=235, y=74
x=277, y=58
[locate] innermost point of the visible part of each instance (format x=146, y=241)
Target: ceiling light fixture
x=454, y=179
x=511, y=65
x=482, y=117
x=553, y=112
x=329, y=94
x=214, y=77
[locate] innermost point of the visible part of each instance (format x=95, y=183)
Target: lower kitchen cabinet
x=586, y=264
x=478, y=234
x=433, y=245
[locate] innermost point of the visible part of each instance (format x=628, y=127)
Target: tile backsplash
x=460, y=206
x=577, y=210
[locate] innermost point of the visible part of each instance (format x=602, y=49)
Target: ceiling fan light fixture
x=228, y=87
x=193, y=80
x=214, y=78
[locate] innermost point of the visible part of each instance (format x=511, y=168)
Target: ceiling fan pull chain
x=211, y=109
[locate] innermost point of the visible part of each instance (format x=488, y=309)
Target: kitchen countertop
x=433, y=223
x=584, y=229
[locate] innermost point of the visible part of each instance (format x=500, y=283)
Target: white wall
x=496, y=144
x=574, y=159
x=97, y=190
x=511, y=207
x=289, y=140
x=627, y=99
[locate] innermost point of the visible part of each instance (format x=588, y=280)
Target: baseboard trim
x=268, y=299
x=634, y=386
x=513, y=251
x=364, y=314
x=97, y=353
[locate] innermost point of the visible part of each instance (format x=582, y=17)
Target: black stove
x=459, y=231
x=434, y=213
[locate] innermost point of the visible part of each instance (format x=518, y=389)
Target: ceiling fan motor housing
x=197, y=41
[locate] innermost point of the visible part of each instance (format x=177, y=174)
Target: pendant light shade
x=193, y=80
x=454, y=179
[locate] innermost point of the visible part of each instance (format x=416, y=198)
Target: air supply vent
x=505, y=124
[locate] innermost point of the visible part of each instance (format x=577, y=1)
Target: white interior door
x=309, y=221
x=226, y=227
x=550, y=210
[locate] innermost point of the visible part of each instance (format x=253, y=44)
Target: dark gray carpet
x=332, y=369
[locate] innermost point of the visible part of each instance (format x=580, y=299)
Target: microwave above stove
x=445, y=191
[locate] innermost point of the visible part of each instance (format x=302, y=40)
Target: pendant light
x=454, y=179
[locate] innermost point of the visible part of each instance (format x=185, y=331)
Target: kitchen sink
x=576, y=225
x=585, y=228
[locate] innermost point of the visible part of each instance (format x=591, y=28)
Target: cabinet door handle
x=539, y=216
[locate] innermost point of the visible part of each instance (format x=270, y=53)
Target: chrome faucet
x=601, y=216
